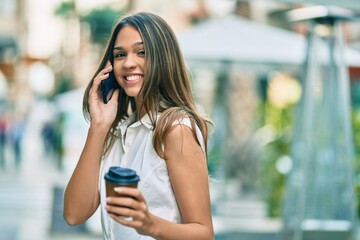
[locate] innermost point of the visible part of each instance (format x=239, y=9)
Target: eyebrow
x=134, y=45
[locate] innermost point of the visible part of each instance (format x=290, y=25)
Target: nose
x=129, y=61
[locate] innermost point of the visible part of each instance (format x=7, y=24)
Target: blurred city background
x=246, y=60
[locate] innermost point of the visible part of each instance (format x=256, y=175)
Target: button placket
x=129, y=137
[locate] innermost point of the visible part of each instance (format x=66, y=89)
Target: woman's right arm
x=81, y=194
x=81, y=197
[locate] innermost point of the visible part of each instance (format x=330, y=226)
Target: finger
x=124, y=212
x=98, y=79
x=127, y=221
x=131, y=192
x=127, y=206
x=107, y=69
x=124, y=201
x=102, y=75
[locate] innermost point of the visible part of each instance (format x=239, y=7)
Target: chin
x=132, y=93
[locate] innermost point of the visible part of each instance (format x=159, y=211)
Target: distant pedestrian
x=48, y=137
x=16, y=137
x=3, y=139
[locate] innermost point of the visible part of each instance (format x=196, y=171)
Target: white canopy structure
x=237, y=39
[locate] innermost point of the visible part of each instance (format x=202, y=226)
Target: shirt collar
x=146, y=121
x=131, y=123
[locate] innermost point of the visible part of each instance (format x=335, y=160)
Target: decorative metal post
x=319, y=200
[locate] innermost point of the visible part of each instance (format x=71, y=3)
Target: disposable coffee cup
x=118, y=176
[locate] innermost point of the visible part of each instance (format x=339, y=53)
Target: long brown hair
x=166, y=87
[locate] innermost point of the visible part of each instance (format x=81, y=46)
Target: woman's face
x=129, y=60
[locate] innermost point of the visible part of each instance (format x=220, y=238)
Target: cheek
x=143, y=64
x=116, y=67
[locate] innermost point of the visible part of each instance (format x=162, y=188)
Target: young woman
x=152, y=126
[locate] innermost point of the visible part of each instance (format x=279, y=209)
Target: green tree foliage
x=355, y=101
x=101, y=22
x=66, y=9
x=271, y=180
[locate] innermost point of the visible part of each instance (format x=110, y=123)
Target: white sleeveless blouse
x=136, y=151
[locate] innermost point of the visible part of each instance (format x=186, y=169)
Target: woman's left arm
x=189, y=178
x=188, y=174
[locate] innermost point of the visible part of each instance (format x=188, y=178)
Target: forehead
x=128, y=35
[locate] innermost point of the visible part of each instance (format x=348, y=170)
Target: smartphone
x=108, y=86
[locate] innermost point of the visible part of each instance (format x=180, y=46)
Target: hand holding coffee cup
x=118, y=176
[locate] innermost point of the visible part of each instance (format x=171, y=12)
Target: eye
x=141, y=53
x=119, y=55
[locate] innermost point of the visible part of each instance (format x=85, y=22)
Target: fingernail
x=118, y=189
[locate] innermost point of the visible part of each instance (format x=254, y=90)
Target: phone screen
x=108, y=87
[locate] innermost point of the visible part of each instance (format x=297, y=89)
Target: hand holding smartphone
x=108, y=86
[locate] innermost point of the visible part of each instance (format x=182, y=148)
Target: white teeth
x=132, y=77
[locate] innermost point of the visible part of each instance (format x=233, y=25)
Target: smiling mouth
x=133, y=77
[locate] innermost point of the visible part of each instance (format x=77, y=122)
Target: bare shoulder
x=178, y=133
x=181, y=140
